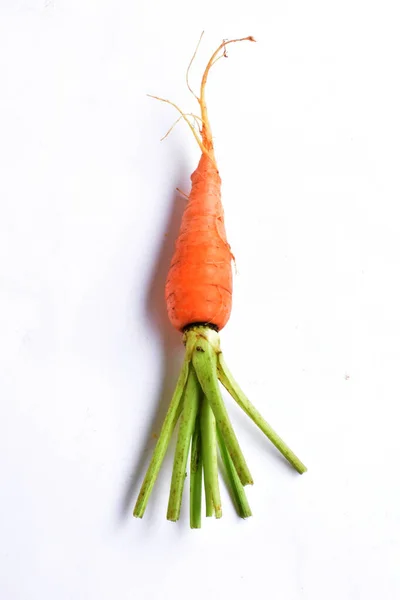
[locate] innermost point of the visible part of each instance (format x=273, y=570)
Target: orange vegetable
x=199, y=299
x=199, y=283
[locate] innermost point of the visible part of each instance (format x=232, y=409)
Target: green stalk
x=236, y=487
x=190, y=409
x=227, y=380
x=205, y=363
x=196, y=477
x=160, y=450
x=210, y=460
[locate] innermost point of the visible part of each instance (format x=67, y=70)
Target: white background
x=307, y=135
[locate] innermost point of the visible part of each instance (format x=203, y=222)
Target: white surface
x=307, y=132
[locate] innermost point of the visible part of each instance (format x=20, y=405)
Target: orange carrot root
x=199, y=283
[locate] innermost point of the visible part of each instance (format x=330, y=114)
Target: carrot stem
x=236, y=488
x=210, y=460
x=190, y=408
x=205, y=363
x=196, y=477
x=160, y=450
x=227, y=380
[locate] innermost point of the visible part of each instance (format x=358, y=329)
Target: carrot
x=198, y=295
x=199, y=283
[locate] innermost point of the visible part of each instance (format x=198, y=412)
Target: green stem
x=210, y=460
x=196, y=477
x=190, y=409
x=236, y=487
x=205, y=363
x=160, y=450
x=227, y=380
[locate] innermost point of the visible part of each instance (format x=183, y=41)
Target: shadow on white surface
x=169, y=339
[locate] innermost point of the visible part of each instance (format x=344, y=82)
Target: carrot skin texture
x=199, y=282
